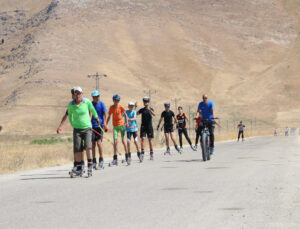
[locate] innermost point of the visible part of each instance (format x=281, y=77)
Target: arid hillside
x=244, y=54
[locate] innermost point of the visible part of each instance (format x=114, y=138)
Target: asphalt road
x=255, y=184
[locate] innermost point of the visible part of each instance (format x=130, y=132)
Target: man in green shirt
x=79, y=116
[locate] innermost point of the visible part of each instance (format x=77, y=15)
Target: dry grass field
x=244, y=54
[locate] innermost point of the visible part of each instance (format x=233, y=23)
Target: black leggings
x=198, y=133
x=241, y=133
x=184, y=131
x=211, y=128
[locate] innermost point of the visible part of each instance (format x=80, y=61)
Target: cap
x=95, y=93
x=78, y=89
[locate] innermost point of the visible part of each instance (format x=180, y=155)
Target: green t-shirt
x=79, y=115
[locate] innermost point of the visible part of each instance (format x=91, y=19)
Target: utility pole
x=150, y=93
x=175, y=102
x=97, y=76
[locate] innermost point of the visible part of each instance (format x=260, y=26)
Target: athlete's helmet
x=131, y=104
x=116, y=97
x=167, y=105
x=146, y=99
x=95, y=93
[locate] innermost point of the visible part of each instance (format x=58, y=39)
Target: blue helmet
x=95, y=93
x=116, y=97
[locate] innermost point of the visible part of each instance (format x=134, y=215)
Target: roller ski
x=101, y=165
x=95, y=166
x=168, y=151
x=76, y=173
x=178, y=150
x=151, y=156
x=142, y=157
x=90, y=170
x=114, y=162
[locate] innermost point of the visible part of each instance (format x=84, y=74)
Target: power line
x=97, y=76
x=150, y=93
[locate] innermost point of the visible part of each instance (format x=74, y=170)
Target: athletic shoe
x=212, y=150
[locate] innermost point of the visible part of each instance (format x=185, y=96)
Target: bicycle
x=205, y=140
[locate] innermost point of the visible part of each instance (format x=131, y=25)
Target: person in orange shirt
x=118, y=112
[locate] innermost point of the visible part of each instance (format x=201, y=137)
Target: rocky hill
x=244, y=54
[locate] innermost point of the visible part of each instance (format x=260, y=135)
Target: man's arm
x=152, y=111
x=64, y=118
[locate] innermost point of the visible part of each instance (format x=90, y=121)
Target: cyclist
x=97, y=134
x=79, y=116
x=146, y=127
x=241, y=128
x=207, y=109
x=118, y=111
x=181, y=125
x=168, y=117
x=132, y=129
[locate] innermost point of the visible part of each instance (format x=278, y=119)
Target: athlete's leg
x=115, y=135
x=150, y=144
x=239, y=135
x=173, y=138
x=187, y=136
x=211, y=128
x=136, y=140
x=128, y=141
x=243, y=135
x=180, y=136
x=100, y=149
x=167, y=139
x=142, y=143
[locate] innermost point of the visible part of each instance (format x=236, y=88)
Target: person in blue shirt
x=207, y=109
x=97, y=134
x=132, y=130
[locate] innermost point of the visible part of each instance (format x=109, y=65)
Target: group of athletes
x=90, y=119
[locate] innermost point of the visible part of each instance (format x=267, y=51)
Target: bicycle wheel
x=203, y=145
x=207, y=147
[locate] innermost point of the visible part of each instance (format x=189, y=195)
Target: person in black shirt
x=168, y=117
x=146, y=128
x=181, y=125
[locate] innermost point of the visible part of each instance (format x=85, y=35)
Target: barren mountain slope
x=244, y=54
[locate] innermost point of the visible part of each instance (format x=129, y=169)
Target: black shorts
x=147, y=131
x=95, y=136
x=168, y=129
x=133, y=134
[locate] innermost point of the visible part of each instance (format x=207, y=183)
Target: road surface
x=252, y=185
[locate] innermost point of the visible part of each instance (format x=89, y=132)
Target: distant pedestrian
x=241, y=128
x=275, y=132
x=286, y=131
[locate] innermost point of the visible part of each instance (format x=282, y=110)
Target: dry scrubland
x=244, y=54
x=19, y=154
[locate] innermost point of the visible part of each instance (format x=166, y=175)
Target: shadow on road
x=45, y=178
